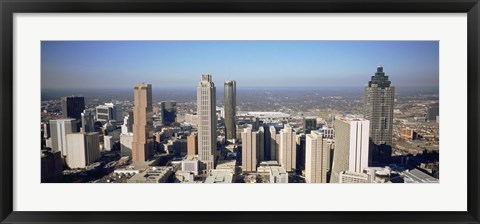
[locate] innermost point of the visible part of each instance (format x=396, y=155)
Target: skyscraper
x=317, y=158
x=88, y=120
x=309, y=124
x=351, y=146
x=142, y=144
x=288, y=148
x=252, y=145
x=72, y=106
x=378, y=109
x=168, y=110
x=273, y=143
x=59, y=130
x=109, y=111
x=230, y=103
x=83, y=149
x=207, y=122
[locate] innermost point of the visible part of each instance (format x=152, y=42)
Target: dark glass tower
x=73, y=106
x=169, y=112
x=230, y=102
x=378, y=109
x=309, y=124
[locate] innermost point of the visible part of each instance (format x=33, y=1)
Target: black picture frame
x=9, y=7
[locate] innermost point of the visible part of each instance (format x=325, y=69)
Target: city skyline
x=253, y=64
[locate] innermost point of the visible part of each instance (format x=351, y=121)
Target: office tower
x=168, y=110
x=274, y=146
x=127, y=126
x=261, y=144
x=309, y=124
x=72, y=106
x=230, y=103
x=207, y=122
x=83, y=149
x=59, y=130
x=142, y=144
x=88, y=121
x=109, y=111
x=51, y=167
x=252, y=147
x=328, y=132
x=126, y=144
x=288, y=148
x=378, y=109
x=317, y=159
x=351, y=146
x=192, y=144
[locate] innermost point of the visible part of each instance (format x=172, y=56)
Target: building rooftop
x=417, y=176
x=219, y=176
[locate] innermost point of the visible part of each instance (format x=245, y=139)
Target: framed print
x=230, y=111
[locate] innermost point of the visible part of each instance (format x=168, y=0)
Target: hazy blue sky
x=166, y=64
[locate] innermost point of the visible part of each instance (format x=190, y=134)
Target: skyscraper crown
x=379, y=79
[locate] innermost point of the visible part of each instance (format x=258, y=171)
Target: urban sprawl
x=377, y=138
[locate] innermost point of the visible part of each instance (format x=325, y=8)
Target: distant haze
x=296, y=64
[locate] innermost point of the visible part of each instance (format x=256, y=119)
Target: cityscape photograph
x=240, y=111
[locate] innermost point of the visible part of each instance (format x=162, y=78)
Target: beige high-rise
x=288, y=148
x=351, y=146
x=252, y=146
x=207, y=122
x=317, y=158
x=142, y=145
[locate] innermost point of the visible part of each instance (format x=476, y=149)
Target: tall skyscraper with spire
x=378, y=109
x=142, y=144
x=229, y=103
x=207, y=122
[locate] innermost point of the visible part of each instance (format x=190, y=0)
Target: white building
x=82, y=149
x=58, y=132
x=351, y=146
x=109, y=111
x=126, y=144
x=107, y=143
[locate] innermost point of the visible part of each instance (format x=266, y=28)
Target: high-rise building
x=252, y=146
x=142, y=145
x=126, y=144
x=88, y=121
x=317, y=158
x=378, y=109
x=83, y=149
x=288, y=148
x=109, y=111
x=207, y=122
x=168, y=110
x=127, y=126
x=273, y=146
x=59, y=130
x=72, y=106
x=192, y=144
x=230, y=103
x=51, y=167
x=309, y=124
x=351, y=146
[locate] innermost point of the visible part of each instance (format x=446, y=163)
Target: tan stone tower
x=142, y=145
